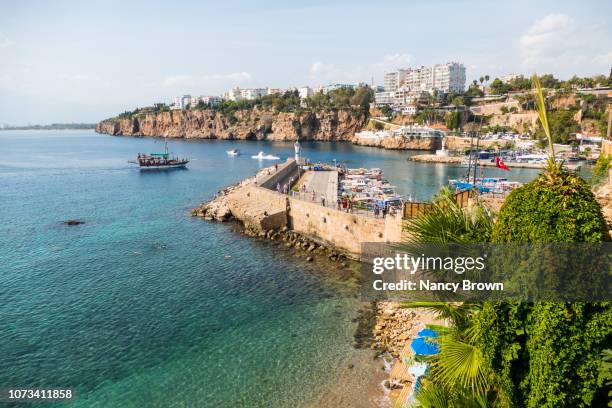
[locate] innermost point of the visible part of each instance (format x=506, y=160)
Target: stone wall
x=285, y=172
x=606, y=147
x=342, y=230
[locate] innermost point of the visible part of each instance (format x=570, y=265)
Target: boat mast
x=166, y=145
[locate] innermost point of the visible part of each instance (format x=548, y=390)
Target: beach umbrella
x=427, y=333
x=423, y=347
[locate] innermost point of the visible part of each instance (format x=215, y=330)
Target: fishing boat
x=233, y=152
x=262, y=156
x=159, y=161
x=485, y=184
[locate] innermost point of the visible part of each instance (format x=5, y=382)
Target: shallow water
x=144, y=305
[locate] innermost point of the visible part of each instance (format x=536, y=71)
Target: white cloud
x=394, y=61
x=550, y=37
x=191, y=80
x=558, y=43
x=321, y=71
x=5, y=41
x=603, y=59
x=316, y=68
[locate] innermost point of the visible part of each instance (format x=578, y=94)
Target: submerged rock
x=74, y=222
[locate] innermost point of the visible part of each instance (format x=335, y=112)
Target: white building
x=305, y=92
x=384, y=98
x=234, y=94
x=507, y=78
x=410, y=110
x=253, y=93
x=393, y=80
x=211, y=100
x=449, y=77
x=181, y=102
x=272, y=91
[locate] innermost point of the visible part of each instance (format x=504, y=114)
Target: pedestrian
x=384, y=211
x=339, y=202
x=278, y=187
x=276, y=167
x=376, y=211
x=322, y=200
x=313, y=195
x=344, y=204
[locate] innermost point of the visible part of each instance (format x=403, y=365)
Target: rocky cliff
x=401, y=143
x=252, y=124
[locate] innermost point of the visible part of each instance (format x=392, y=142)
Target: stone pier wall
x=285, y=172
x=342, y=230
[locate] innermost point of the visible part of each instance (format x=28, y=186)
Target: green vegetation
x=357, y=100
x=377, y=125
x=519, y=354
x=453, y=120
x=601, y=169
x=447, y=222
x=562, y=125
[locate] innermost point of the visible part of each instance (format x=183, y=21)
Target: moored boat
x=159, y=161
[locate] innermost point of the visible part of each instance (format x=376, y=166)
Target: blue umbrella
x=423, y=347
x=427, y=333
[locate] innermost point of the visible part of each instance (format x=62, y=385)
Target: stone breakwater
x=251, y=124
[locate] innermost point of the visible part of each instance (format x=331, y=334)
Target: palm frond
x=461, y=364
x=543, y=116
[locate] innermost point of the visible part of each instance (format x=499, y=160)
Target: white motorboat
x=233, y=152
x=262, y=156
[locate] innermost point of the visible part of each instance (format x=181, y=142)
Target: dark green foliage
x=551, y=209
x=547, y=354
x=453, y=120
x=562, y=125
x=447, y=222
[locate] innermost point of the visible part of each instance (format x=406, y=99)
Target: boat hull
x=163, y=167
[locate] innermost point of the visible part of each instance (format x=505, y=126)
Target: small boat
x=233, y=152
x=160, y=161
x=262, y=156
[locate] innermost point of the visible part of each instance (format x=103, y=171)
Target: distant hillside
x=53, y=126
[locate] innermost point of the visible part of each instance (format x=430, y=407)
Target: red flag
x=500, y=164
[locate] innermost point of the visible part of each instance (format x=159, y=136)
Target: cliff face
x=401, y=143
x=246, y=125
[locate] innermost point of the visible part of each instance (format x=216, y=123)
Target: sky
x=79, y=61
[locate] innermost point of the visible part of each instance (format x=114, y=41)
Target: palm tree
x=460, y=375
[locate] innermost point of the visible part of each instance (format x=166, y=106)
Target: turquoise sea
x=144, y=305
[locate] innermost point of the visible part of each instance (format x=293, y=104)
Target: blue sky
x=80, y=61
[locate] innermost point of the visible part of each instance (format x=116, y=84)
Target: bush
x=551, y=209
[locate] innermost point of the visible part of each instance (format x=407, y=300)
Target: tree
x=453, y=120
x=497, y=87
x=562, y=125
x=527, y=343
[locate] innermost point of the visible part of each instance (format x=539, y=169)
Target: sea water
x=145, y=306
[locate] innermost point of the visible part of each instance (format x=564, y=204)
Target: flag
x=499, y=163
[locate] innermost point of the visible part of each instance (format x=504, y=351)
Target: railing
x=412, y=209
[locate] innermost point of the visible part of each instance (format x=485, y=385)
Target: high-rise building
x=393, y=80
x=449, y=77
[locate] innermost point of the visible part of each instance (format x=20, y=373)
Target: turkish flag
x=500, y=164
